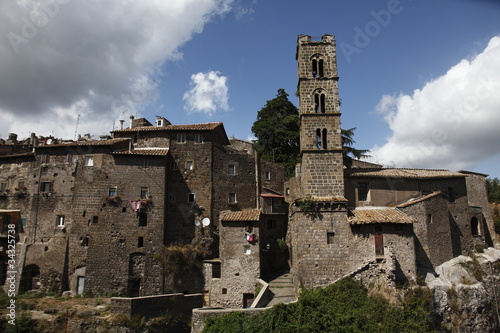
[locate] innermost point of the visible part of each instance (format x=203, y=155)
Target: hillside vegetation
x=341, y=307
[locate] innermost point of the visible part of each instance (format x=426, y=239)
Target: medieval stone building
x=94, y=215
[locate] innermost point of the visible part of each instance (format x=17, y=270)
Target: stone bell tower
x=318, y=226
x=320, y=136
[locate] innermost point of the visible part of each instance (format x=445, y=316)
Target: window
x=324, y=139
x=144, y=192
x=330, y=237
x=89, y=161
x=224, y=291
x=45, y=158
x=216, y=272
x=189, y=165
x=318, y=139
x=69, y=158
x=84, y=241
x=95, y=219
x=319, y=102
x=146, y=163
x=112, y=192
x=3, y=187
x=271, y=224
x=46, y=187
x=60, y=220
x=198, y=138
x=232, y=198
x=247, y=249
x=362, y=191
x=317, y=67
x=143, y=217
x=140, y=241
x=321, y=138
x=181, y=138
x=268, y=175
x=231, y=169
x=20, y=185
x=173, y=166
x=172, y=199
x=191, y=197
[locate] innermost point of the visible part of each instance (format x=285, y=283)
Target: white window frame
x=268, y=175
x=189, y=165
x=199, y=138
x=60, y=221
x=89, y=161
x=181, y=137
x=231, y=170
x=231, y=198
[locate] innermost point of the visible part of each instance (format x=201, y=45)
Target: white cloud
x=99, y=59
x=452, y=122
x=208, y=93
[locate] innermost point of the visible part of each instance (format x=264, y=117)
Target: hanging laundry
x=135, y=204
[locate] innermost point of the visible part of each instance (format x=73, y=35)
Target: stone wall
x=200, y=316
x=156, y=306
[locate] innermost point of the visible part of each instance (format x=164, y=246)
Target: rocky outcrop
x=466, y=291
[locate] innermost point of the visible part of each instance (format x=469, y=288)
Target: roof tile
x=367, y=215
x=242, y=215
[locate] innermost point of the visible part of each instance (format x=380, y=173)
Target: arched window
x=317, y=67
x=319, y=102
x=319, y=142
x=474, y=226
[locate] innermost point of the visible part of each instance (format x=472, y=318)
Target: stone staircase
x=282, y=290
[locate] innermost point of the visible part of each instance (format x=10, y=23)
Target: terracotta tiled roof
x=271, y=196
x=242, y=215
x=420, y=199
x=189, y=127
x=366, y=215
x=405, y=173
x=143, y=151
x=108, y=142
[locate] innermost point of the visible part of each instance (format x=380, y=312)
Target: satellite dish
x=197, y=223
x=206, y=222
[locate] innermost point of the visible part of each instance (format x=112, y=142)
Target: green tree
x=350, y=153
x=493, y=187
x=277, y=132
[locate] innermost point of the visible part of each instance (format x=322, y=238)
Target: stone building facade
x=97, y=214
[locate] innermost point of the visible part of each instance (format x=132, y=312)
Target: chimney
x=33, y=141
x=131, y=121
x=121, y=123
x=13, y=137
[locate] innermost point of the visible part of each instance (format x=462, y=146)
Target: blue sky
x=420, y=80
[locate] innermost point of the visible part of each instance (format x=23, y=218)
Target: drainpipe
x=257, y=179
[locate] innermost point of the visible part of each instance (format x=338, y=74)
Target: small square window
x=330, y=237
x=140, y=241
x=181, y=138
x=232, y=198
x=144, y=192
x=46, y=187
x=84, y=241
x=198, y=138
x=60, y=220
x=172, y=199
x=20, y=185
x=231, y=170
x=191, y=197
x=190, y=165
x=173, y=166
x=268, y=175
x=89, y=161
x=146, y=163
x=95, y=219
x=271, y=224
x=247, y=249
x=112, y=192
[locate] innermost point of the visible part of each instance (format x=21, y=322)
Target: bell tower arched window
x=321, y=138
x=317, y=67
x=319, y=102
